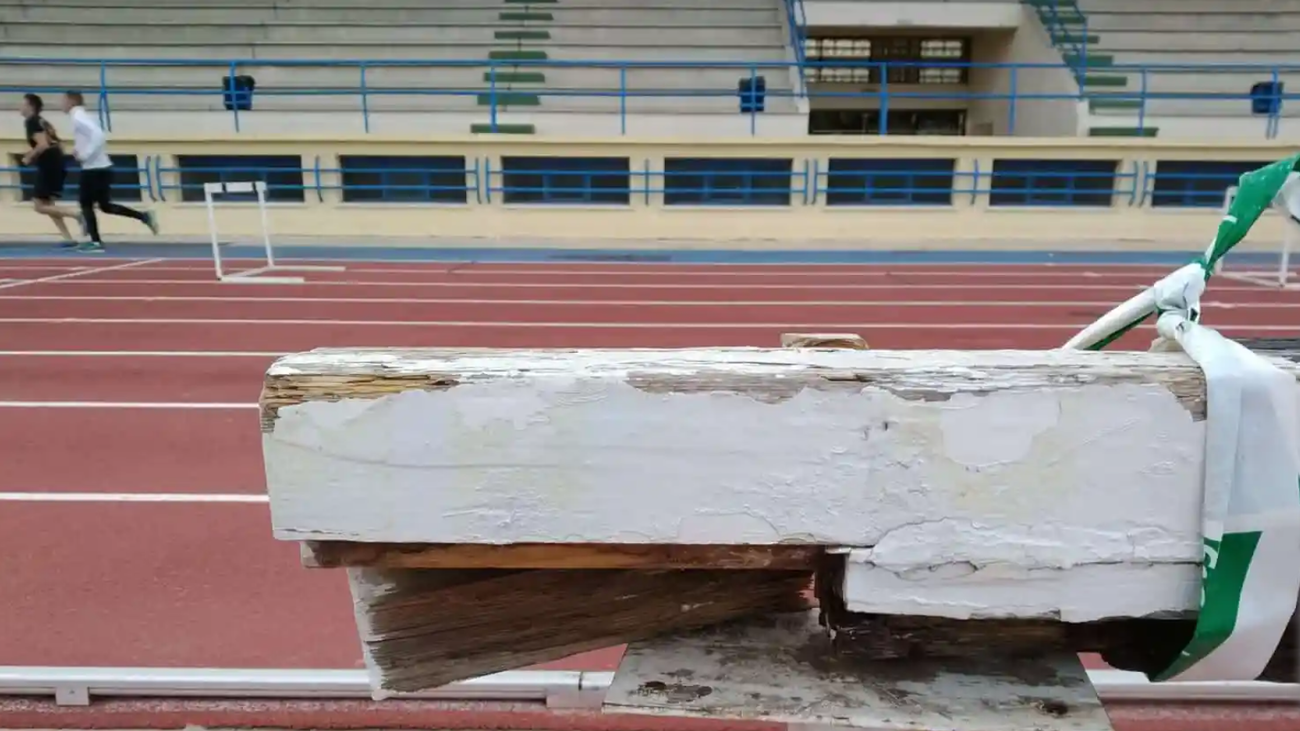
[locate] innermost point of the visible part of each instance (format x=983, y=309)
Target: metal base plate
x=781, y=669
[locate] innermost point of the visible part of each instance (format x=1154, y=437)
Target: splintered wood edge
x=1187, y=384
x=846, y=341
x=341, y=554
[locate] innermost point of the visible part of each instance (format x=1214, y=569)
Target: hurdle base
x=1261, y=279
x=253, y=276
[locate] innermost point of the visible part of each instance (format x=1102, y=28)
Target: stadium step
x=485, y=128
x=517, y=55
x=1065, y=17
x=522, y=35
x=1095, y=80
x=1101, y=103
x=525, y=17
x=1123, y=131
x=1074, y=40
x=1098, y=60
x=510, y=99
x=516, y=77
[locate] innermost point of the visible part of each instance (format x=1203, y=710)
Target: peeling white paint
x=1079, y=499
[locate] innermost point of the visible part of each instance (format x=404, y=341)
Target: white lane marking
x=127, y=497
x=80, y=273
x=141, y=353
x=707, y=269
x=596, y=303
x=179, y=405
x=131, y=283
x=596, y=325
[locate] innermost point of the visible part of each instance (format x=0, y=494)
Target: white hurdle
x=251, y=276
x=1279, y=278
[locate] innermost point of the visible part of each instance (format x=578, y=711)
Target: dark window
x=875, y=182
x=694, y=181
x=899, y=122
x=907, y=59
x=1053, y=182
x=390, y=179
x=126, y=179
x=281, y=173
x=1196, y=183
x=583, y=180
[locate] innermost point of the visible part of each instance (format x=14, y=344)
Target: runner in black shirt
x=46, y=155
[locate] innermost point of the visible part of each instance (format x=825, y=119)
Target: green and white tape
x=1251, y=516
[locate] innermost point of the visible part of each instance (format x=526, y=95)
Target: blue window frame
x=403, y=179
x=889, y=182
x=565, y=180
x=727, y=181
x=1196, y=183
x=283, y=175
x=1076, y=183
x=126, y=183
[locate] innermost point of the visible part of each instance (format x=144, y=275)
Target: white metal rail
x=555, y=688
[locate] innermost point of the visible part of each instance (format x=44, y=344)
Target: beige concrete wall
x=1028, y=44
x=948, y=14
x=969, y=220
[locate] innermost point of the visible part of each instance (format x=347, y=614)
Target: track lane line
x=79, y=273
x=614, y=325
x=183, y=405
x=131, y=497
x=600, y=303
x=142, y=353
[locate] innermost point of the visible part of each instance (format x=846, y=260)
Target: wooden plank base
x=422, y=629
x=783, y=669
x=343, y=554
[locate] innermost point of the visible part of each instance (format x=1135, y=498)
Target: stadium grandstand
x=600, y=173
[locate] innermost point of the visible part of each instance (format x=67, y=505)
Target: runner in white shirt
x=91, y=149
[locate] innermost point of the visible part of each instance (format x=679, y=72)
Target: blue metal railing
x=130, y=182
x=886, y=95
x=720, y=182
x=797, y=22
x=1067, y=26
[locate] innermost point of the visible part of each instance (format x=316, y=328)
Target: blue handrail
x=797, y=22
x=1060, y=29
x=886, y=95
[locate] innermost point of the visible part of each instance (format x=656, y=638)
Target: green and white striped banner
x=1251, y=517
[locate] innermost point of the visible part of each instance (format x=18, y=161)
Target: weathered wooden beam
x=422, y=629
x=341, y=554
x=944, y=472
x=1146, y=645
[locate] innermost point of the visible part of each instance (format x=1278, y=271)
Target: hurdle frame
x=1279, y=278
x=251, y=276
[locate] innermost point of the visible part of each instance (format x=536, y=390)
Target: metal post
x=1013, y=102
x=208, y=190
x=884, y=99
x=260, y=187
x=365, y=101
x=753, y=101
x=492, y=95
x=622, y=100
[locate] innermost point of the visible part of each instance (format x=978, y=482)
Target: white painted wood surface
x=780, y=671
x=993, y=483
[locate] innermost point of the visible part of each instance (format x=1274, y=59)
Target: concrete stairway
x=1195, y=32
x=474, y=53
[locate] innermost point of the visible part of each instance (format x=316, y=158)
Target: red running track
x=202, y=584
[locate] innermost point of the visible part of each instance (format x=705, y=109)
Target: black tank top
x=36, y=124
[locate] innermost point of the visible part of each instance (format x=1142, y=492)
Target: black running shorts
x=49, y=181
